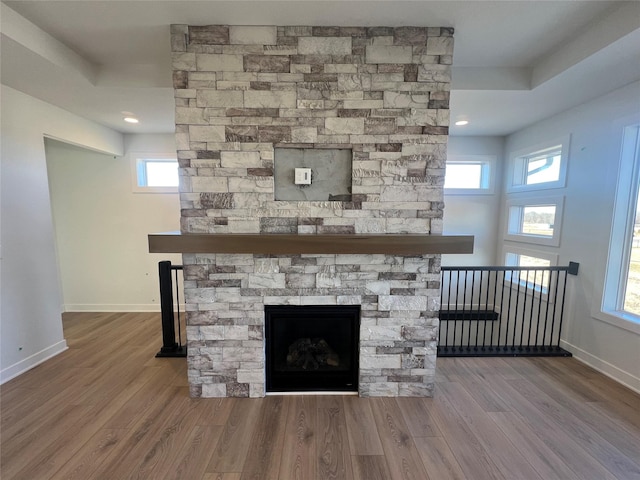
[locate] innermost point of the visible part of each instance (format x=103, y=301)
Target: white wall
x=476, y=215
x=30, y=322
x=596, y=133
x=102, y=226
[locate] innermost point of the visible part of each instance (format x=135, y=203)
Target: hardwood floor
x=107, y=409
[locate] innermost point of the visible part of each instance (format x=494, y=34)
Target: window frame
x=533, y=201
x=137, y=161
x=488, y=172
x=519, y=158
x=611, y=308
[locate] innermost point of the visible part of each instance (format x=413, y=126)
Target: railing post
x=170, y=348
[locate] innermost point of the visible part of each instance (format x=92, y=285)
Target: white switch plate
x=302, y=176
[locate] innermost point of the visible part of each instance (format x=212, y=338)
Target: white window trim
x=519, y=155
x=611, y=307
x=489, y=180
x=528, y=201
x=135, y=158
x=553, y=262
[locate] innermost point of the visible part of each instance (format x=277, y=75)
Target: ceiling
x=515, y=62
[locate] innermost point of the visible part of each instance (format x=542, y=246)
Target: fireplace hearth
x=312, y=348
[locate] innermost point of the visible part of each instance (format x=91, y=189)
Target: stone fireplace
x=381, y=93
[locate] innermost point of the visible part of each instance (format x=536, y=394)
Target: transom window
x=469, y=174
x=155, y=173
x=535, y=220
x=463, y=175
x=540, y=167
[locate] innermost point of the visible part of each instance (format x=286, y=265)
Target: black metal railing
x=170, y=347
x=502, y=311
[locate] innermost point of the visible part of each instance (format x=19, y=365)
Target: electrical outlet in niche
x=330, y=174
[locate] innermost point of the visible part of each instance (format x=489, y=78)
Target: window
x=536, y=280
x=542, y=167
x=469, y=174
x=155, y=173
x=535, y=220
x=622, y=282
x=539, y=167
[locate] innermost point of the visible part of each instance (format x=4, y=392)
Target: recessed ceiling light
x=460, y=123
x=131, y=120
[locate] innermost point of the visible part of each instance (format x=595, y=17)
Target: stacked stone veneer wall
x=241, y=91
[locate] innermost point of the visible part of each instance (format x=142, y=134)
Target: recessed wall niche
x=330, y=174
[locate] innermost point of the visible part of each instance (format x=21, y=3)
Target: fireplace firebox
x=312, y=348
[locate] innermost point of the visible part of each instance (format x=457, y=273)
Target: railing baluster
x=440, y=323
x=464, y=308
x=508, y=322
x=546, y=313
x=455, y=321
x=473, y=290
x=486, y=307
x=520, y=320
x=530, y=311
x=448, y=308
x=542, y=288
x=497, y=343
x=479, y=306
x=553, y=318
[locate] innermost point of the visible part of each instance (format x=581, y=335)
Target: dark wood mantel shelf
x=391, y=244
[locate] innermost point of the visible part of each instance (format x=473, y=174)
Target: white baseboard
x=606, y=368
x=32, y=361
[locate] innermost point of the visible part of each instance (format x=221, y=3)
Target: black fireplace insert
x=312, y=348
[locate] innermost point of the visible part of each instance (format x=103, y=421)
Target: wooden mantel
x=276, y=244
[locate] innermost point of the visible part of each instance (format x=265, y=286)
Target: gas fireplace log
x=307, y=353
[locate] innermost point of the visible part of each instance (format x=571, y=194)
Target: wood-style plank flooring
x=107, y=409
